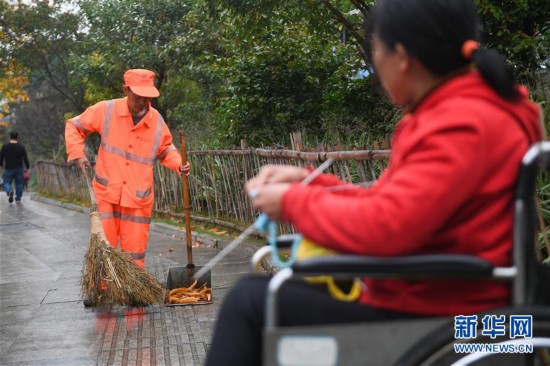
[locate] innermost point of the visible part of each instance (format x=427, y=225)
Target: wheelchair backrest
x=532, y=282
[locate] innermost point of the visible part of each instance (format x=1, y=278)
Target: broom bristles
x=126, y=283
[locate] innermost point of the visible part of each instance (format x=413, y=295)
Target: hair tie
x=468, y=48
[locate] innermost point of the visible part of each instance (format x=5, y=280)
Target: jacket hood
x=472, y=85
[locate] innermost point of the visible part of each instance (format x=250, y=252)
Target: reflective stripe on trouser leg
x=127, y=227
x=110, y=220
x=134, y=232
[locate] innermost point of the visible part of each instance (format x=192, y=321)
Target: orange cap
x=141, y=82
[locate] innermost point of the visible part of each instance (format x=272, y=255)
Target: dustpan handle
x=90, y=189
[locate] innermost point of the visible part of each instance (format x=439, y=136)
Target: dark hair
x=13, y=135
x=434, y=31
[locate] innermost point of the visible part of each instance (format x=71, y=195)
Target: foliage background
x=254, y=69
x=227, y=70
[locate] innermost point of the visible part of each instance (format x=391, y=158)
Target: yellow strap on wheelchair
x=308, y=249
x=335, y=291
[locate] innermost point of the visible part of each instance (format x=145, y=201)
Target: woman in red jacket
x=449, y=186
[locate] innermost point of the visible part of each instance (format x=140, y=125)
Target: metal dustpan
x=179, y=277
x=183, y=277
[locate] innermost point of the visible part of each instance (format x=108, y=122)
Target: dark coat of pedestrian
x=14, y=160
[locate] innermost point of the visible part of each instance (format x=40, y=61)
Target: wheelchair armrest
x=345, y=266
x=430, y=265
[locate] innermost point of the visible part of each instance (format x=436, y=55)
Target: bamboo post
x=186, y=206
x=244, y=147
x=296, y=141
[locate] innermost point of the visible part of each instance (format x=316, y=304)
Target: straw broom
x=124, y=282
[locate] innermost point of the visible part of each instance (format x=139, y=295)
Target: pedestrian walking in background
x=133, y=136
x=12, y=157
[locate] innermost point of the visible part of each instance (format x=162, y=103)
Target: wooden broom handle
x=186, y=205
x=90, y=189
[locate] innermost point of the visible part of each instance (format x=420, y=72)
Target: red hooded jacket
x=449, y=188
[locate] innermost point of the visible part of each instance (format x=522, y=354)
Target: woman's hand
x=270, y=174
x=268, y=198
x=267, y=188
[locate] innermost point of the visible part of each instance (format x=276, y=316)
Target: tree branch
x=360, y=41
x=363, y=8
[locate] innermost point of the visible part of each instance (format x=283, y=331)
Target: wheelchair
x=425, y=341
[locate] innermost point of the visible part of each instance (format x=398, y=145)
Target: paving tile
x=43, y=322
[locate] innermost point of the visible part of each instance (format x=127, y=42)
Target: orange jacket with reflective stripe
x=127, y=155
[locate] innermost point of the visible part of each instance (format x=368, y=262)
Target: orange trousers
x=126, y=228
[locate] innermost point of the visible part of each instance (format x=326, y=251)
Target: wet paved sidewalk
x=43, y=322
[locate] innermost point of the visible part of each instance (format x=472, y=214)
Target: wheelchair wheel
x=438, y=348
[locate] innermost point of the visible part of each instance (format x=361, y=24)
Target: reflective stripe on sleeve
x=79, y=126
x=164, y=152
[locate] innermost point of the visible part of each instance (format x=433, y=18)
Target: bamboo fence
x=217, y=179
